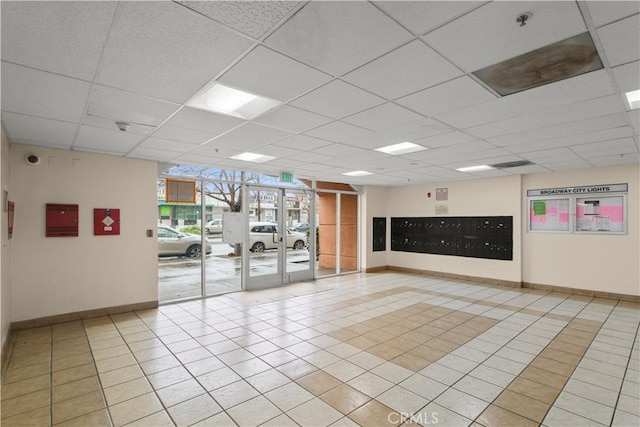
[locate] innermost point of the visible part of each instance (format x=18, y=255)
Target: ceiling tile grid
x=351, y=76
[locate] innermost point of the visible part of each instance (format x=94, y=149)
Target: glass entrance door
x=278, y=254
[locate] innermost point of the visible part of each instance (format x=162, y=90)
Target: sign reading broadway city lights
x=587, y=189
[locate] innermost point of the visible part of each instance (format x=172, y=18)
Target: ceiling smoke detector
x=523, y=18
x=123, y=126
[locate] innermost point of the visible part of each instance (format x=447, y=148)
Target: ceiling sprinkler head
x=123, y=126
x=523, y=18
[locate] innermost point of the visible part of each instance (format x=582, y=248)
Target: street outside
x=180, y=277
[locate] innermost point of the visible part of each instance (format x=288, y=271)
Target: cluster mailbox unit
x=488, y=237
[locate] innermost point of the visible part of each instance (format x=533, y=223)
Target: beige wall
x=5, y=247
x=607, y=263
x=478, y=197
x=58, y=275
x=374, y=205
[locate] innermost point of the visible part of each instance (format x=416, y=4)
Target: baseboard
x=85, y=314
x=7, y=350
x=476, y=279
x=582, y=292
x=507, y=283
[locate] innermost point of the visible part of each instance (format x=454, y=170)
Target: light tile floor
x=376, y=349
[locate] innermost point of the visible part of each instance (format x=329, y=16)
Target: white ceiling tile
x=459, y=93
x=621, y=40
x=36, y=93
x=580, y=138
x=565, y=164
x=310, y=157
x=422, y=16
x=36, y=131
x=212, y=152
x=605, y=12
x=148, y=153
x=551, y=154
x=633, y=158
x=563, y=130
x=523, y=170
x=445, y=139
x=123, y=106
x=302, y=142
x=216, y=124
x=195, y=159
x=248, y=137
x=549, y=117
x=190, y=136
x=337, y=99
x=586, y=86
x=61, y=37
x=292, y=119
x=280, y=78
x=167, y=145
x=628, y=76
x=276, y=151
x=253, y=18
x=345, y=153
x=342, y=132
x=452, y=150
x=151, y=50
x=410, y=132
x=105, y=141
x=383, y=117
x=490, y=34
x=421, y=68
x=110, y=124
x=634, y=118
x=597, y=149
x=338, y=36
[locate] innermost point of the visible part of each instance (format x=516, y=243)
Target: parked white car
x=264, y=235
x=214, y=226
x=172, y=242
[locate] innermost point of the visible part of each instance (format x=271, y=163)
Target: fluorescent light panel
x=633, y=98
x=218, y=98
x=358, y=173
x=252, y=157
x=475, y=168
x=401, y=148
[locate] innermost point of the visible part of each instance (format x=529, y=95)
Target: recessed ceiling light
x=358, y=173
x=252, y=157
x=633, y=98
x=401, y=148
x=222, y=99
x=475, y=168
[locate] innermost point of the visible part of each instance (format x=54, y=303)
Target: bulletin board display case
x=601, y=214
x=550, y=215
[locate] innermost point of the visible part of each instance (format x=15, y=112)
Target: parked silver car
x=264, y=235
x=172, y=242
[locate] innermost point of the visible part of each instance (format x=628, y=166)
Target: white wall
x=374, y=204
x=5, y=247
x=477, y=197
x=607, y=263
x=58, y=275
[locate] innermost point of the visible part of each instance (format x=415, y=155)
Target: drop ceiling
x=351, y=77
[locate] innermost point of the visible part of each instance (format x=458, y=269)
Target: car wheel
x=194, y=251
x=299, y=244
x=257, y=247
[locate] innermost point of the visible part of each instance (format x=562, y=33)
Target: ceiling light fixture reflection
x=475, y=168
x=633, y=98
x=252, y=157
x=358, y=173
x=401, y=148
x=218, y=98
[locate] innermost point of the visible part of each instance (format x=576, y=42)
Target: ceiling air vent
x=567, y=58
x=507, y=165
